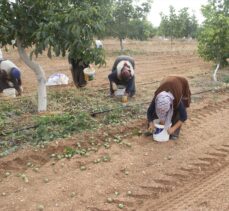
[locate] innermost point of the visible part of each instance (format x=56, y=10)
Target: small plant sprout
x=120, y=206
x=7, y=174
x=109, y=200
x=29, y=164
x=116, y=193
x=25, y=178
x=83, y=168
x=129, y=193
x=46, y=180
x=40, y=207
x=73, y=194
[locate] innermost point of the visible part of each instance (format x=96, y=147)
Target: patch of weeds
x=119, y=115
x=28, y=105
x=61, y=126
x=136, y=132
x=226, y=79
x=113, y=117
x=7, y=111
x=69, y=152
x=74, y=101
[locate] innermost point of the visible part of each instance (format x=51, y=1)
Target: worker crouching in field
x=123, y=74
x=169, y=105
x=10, y=76
x=77, y=72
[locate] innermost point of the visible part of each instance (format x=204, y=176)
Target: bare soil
x=191, y=173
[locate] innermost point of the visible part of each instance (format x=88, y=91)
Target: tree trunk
x=77, y=72
x=215, y=72
x=121, y=44
x=40, y=75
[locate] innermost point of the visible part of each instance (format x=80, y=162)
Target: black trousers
x=175, y=119
x=3, y=84
x=77, y=72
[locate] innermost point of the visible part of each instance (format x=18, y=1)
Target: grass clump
x=61, y=126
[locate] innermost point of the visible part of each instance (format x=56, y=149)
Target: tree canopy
x=214, y=35
x=178, y=25
x=63, y=27
x=128, y=20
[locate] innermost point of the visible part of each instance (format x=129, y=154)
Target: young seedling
x=120, y=206
x=110, y=200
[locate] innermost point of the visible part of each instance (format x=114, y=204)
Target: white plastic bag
x=9, y=92
x=57, y=79
x=98, y=44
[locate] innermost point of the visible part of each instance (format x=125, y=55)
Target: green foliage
x=214, y=35
x=141, y=30
x=7, y=110
x=20, y=20
x=19, y=124
x=226, y=79
x=60, y=126
x=178, y=25
x=64, y=27
x=124, y=15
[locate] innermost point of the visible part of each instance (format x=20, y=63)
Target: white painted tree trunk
x=1, y=54
x=121, y=44
x=40, y=75
x=215, y=72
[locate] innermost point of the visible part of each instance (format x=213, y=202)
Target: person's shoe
x=173, y=137
x=148, y=133
x=110, y=94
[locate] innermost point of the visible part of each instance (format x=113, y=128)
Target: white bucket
x=89, y=74
x=160, y=134
x=120, y=91
x=10, y=92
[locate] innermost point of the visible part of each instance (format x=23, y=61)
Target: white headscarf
x=164, y=107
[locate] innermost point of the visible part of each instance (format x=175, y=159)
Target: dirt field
x=137, y=174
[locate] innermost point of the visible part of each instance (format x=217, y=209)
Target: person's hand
x=151, y=127
x=111, y=94
x=170, y=130
x=18, y=93
x=21, y=89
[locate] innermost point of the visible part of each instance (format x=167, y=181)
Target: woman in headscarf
x=10, y=76
x=122, y=73
x=169, y=105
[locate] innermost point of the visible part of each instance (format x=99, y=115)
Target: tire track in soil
x=197, y=190
x=188, y=179
x=199, y=171
x=198, y=182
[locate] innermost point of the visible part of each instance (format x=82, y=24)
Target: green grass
x=20, y=124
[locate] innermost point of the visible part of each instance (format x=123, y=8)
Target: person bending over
x=169, y=105
x=123, y=73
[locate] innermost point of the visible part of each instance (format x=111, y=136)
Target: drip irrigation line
x=152, y=82
x=4, y=133
x=93, y=114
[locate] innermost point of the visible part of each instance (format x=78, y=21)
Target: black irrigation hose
x=4, y=133
x=152, y=82
x=93, y=114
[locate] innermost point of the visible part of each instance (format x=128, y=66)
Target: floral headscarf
x=164, y=107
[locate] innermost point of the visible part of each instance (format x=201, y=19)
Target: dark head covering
x=15, y=73
x=178, y=87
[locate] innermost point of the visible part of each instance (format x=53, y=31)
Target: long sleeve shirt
x=151, y=112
